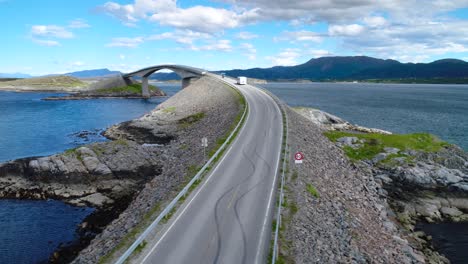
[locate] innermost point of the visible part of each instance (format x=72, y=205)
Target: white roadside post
x=204, y=143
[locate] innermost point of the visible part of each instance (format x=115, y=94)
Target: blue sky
x=56, y=36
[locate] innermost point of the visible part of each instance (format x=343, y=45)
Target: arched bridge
x=187, y=73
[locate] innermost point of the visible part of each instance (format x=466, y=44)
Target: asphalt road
x=228, y=218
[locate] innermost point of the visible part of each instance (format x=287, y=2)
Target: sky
x=58, y=36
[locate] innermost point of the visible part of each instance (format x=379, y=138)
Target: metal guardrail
x=184, y=191
x=281, y=195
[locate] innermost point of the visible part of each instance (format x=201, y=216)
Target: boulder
x=450, y=211
x=379, y=157
x=95, y=200
x=391, y=150
x=348, y=141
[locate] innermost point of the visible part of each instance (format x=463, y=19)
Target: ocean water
x=30, y=231
x=450, y=239
x=30, y=126
x=441, y=110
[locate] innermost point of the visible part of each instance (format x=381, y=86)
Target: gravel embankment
x=179, y=126
x=348, y=221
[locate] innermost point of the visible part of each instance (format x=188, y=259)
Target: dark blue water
x=30, y=126
x=450, y=239
x=441, y=110
x=30, y=231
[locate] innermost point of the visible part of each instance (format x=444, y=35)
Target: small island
x=78, y=89
x=131, y=91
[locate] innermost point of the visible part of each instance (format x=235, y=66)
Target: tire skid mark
x=219, y=208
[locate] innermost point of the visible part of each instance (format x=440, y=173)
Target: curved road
x=228, y=218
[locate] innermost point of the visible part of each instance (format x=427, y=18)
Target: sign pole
x=204, y=145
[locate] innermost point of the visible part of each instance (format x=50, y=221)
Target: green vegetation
x=191, y=119
x=311, y=189
x=129, y=89
x=170, y=109
x=72, y=153
x=130, y=237
x=50, y=82
x=375, y=143
x=140, y=247
x=120, y=141
x=220, y=141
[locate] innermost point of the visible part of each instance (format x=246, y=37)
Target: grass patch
x=129, y=89
x=120, y=141
x=49, y=81
x=312, y=190
x=140, y=247
x=375, y=143
x=170, y=109
x=130, y=237
x=72, y=153
x=191, y=119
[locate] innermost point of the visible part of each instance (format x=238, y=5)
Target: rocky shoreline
x=396, y=189
x=143, y=166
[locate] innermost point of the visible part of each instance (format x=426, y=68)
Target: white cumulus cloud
x=345, y=30
x=287, y=57
x=126, y=42
x=51, y=31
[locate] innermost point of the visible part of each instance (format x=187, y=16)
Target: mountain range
x=358, y=68
x=326, y=68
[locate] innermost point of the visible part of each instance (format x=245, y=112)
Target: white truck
x=241, y=80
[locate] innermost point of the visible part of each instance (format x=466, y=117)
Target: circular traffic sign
x=298, y=156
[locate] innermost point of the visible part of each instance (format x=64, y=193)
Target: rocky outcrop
x=346, y=220
x=115, y=87
x=142, y=167
x=95, y=175
x=418, y=185
x=328, y=121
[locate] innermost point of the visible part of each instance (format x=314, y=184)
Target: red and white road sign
x=298, y=157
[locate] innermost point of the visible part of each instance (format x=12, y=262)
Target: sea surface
x=441, y=110
x=30, y=231
x=450, y=239
x=30, y=126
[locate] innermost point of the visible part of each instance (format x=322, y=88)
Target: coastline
x=125, y=174
x=412, y=185
x=162, y=135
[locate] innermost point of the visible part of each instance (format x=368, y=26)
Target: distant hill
x=358, y=68
x=93, y=73
x=165, y=76
x=15, y=75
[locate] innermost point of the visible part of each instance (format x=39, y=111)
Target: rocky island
x=78, y=89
